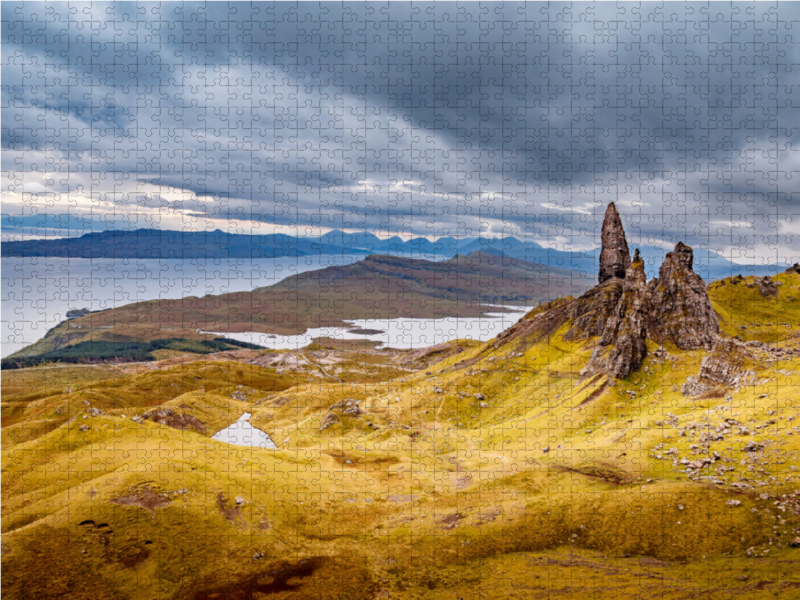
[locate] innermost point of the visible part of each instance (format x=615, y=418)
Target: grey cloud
x=489, y=113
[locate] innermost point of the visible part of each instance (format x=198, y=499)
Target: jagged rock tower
x=615, y=257
x=673, y=308
x=624, y=311
x=680, y=309
x=595, y=307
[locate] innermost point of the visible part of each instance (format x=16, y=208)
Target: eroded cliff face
x=590, y=312
x=680, y=309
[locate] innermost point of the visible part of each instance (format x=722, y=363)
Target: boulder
x=767, y=287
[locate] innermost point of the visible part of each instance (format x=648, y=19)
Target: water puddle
x=242, y=433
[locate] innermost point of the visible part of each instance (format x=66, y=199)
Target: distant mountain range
x=164, y=244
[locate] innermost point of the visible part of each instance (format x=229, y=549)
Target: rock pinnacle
x=615, y=257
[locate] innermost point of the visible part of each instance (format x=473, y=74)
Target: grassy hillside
x=470, y=471
x=758, y=310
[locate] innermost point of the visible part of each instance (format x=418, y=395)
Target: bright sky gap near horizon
x=519, y=119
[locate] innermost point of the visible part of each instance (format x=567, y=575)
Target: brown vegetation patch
x=488, y=515
x=538, y=324
x=230, y=511
x=146, y=498
x=463, y=481
x=458, y=466
x=50, y=564
x=401, y=498
x=167, y=416
x=362, y=460
x=595, y=394
x=563, y=374
x=451, y=521
x=321, y=578
x=597, y=470
x=135, y=557
x=432, y=354
x=712, y=393
x=21, y=522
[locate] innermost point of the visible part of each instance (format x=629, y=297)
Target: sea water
x=38, y=292
x=401, y=333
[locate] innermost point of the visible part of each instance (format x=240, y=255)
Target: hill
x=528, y=466
x=378, y=287
x=156, y=243
x=169, y=244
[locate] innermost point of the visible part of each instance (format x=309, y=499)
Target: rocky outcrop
x=171, y=418
x=767, y=287
x=590, y=312
x=794, y=269
x=729, y=365
x=623, y=343
x=615, y=257
x=328, y=420
x=338, y=413
x=680, y=309
x=623, y=311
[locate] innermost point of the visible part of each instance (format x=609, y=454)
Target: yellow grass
x=427, y=494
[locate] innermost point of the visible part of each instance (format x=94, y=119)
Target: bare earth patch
x=170, y=418
x=146, y=498
x=230, y=511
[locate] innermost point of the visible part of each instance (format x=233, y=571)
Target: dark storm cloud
x=512, y=118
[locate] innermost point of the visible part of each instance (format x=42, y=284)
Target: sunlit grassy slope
x=493, y=473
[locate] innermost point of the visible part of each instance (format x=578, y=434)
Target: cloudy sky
x=413, y=119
